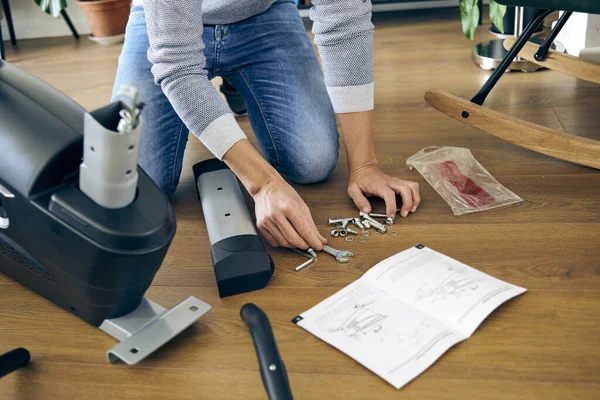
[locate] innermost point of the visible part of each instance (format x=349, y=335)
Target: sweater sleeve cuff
x=221, y=134
x=348, y=99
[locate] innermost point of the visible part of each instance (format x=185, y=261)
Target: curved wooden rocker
x=538, y=138
x=560, y=62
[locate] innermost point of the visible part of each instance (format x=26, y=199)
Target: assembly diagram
x=455, y=284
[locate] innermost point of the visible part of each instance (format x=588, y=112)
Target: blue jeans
x=270, y=60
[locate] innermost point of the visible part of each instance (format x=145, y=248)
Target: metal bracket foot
x=150, y=326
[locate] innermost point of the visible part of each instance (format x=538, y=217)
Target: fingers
x=322, y=240
x=268, y=237
x=404, y=190
x=299, y=232
x=414, y=188
x=359, y=198
x=389, y=196
x=276, y=234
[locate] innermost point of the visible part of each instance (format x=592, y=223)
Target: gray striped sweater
x=343, y=34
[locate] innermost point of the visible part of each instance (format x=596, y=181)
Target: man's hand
x=370, y=181
x=282, y=216
x=365, y=176
x=284, y=219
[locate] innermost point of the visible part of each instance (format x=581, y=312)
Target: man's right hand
x=284, y=219
x=282, y=216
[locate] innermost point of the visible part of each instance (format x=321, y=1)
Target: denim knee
x=314, y=162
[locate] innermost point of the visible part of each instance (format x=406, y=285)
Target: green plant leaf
x=497, y=12
x=53, y=7
x=469, y=16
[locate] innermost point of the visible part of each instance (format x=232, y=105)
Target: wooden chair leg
x=543, y=140
x=560, y=62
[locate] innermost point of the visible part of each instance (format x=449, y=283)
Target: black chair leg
x=69, y=23
x=543, y=50
x=537, y=20
x=9, y=21
x=2, y=57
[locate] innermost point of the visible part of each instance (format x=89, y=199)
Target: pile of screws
x=364, y=222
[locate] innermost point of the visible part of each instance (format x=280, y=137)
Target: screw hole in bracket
x=219, y=188
x=134, y=350
x=193, y=308
x=128, y=172
x=228, y=214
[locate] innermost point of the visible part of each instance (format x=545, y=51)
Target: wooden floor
x=544, y=344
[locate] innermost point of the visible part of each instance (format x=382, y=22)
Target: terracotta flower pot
x=106, y=17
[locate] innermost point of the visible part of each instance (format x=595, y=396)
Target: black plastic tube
x=271, y=366
x=13, y=360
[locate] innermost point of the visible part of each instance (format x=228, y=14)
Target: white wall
x=31, y=22
x=581, y=31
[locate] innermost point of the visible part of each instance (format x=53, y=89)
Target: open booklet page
x=406, y=311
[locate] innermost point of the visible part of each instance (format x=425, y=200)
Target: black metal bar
x=69, y=23
x=538, y=19
x=272, y=370
x=9, y=21
x=2, y=55
x=13, y=360
x=543, y=50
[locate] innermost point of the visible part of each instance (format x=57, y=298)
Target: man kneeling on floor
x=173, y=48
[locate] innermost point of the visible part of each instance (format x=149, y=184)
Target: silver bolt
x=356, y=221
x=389, y=220
x=332, y=221
x=272, y=367
x=345, y=223
x=384, y=229
x=366, y=224
x=343, y=232
x=352, y=231
x=334, y=233
x=380, y=227
x=379, y=216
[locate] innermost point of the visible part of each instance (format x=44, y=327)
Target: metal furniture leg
x=543, y=50
x=489, y=54
x=479, y=98
x=2, y=56
x=69, y=23
x=9, y=21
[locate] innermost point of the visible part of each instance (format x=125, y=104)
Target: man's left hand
x=370, y=181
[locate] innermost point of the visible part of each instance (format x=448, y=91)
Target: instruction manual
x=407, y=311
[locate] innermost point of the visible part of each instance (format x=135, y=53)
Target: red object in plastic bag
x=460, y=179
x=470, y=192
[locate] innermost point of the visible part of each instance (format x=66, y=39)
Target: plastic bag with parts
x=460, y=179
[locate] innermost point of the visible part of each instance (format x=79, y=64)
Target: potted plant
x=107, y=18
x=470, y=16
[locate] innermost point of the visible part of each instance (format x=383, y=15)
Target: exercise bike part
x=272, y=368
x=239, y=257
x=88, y=246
